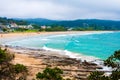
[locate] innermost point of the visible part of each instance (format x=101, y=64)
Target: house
x=43, y=27
x=30, y=26
x=70, y=29
x=22, y=26
x=8, y=26
x=13, y=25
x=26, y=26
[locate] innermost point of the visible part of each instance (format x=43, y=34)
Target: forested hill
x=95, y=23
x=6, y=21
x=80, y=24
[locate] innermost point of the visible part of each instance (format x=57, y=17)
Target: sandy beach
x=7, y=37
x=20, y=34
x=37, y=59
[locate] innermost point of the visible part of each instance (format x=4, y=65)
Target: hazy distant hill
x=105, y=24
x=41, y=21
x=95, y=23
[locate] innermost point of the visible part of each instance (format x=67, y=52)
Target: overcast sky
x=61, y=9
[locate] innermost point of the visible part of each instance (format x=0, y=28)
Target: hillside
x=80, y=24
x=95, y=23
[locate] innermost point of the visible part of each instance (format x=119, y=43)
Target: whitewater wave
x=44, y=39
x=51, y=49
x=89, y=33
x=82, y=57
x=56, y=35
x=72, y=55
x=104, y=68
x=77, y=41
x=74, y=34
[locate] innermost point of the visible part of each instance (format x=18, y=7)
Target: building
x=26, y=26
x=43, y=27
x=13, y=25
x=70, y=29
x=30, y=26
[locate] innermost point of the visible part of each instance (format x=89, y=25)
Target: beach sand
x=20, y=34
x=37, y=60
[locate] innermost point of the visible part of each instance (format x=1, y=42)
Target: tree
x=5, y=57
x=50, y=74
x=8, y=71
x=35, y=26
x=21, y=71
x=112, y=61
x=115, y=75
x=96, y=75
x=20, y=22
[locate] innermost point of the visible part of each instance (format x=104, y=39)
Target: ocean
x=99, y=45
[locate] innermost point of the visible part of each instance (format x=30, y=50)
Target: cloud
x=61, y=9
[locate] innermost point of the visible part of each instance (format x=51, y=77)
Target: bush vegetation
x=112, y=61
x=9, y=71
x=50, y=74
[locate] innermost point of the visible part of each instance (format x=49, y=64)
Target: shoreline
x=20, y=36
x=4, y=35
x=34, y=58
x=63, y=53
x=37, y=60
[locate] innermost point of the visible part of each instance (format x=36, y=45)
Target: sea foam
x=72, y=55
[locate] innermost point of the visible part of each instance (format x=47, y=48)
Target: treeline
x=95, y=24
x=49, y=28
x=57, y=28
x=112, y=61
x=73, y=25
x=6, y=21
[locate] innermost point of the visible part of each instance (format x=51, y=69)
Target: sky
x=61, y=9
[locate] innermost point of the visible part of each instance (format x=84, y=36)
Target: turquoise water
x=97, y=45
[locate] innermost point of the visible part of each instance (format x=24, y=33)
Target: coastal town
x=13, y=26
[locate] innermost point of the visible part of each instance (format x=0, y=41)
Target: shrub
x=50, y=74
x=8, y=71
x=114, y=62
x=96, y=75
x=5, y=56
x=20, y=68
x=115, y=75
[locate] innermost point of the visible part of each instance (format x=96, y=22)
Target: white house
x=26, y=26
x=13, y=25
x=43, y=27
